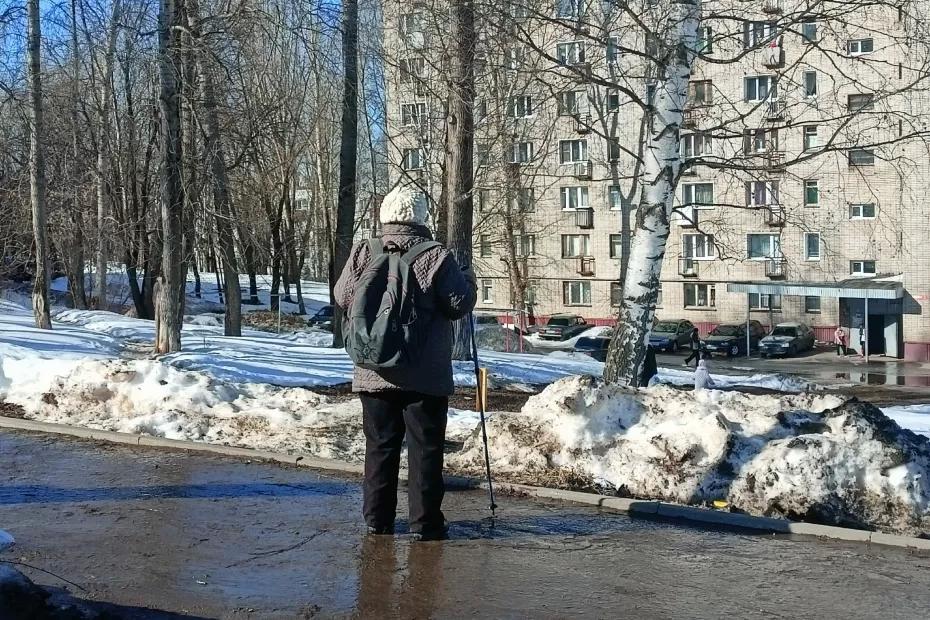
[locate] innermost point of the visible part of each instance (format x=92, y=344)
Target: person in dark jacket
x=695, y=348
x=413, y=400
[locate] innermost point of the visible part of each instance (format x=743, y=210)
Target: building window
x=612, y=100
x=756, y=141
x=413, y=159
x=612, y=53
x=516, y=56
x=862, y=211
x=613, y=149
x=811, y=139
x=697, y=194
x=763, y=246
x=616, y=294
x=411, y=23
x=413, y=114
x=529, y=295
x=521, y=152
x=521, y=106
x=616, y=246
x=809, y=31
x=412, y=69
x=811, y=193
x=700, y=93
x=574, y=197
x=760, y=88
x=756, y=33
x=482, y=154
x=695, y=145
x=659, y=295
x=862, y=102
x=812, y=246
x=568, y=9
x=862, y=267
x=483, y=199
x=700, y=296
x=571, y=102
x=480, y=109
x=572, y=151
x=705, y=44
x=484, y=246
x=761, y=193
x=617, y=200
x=861, y=157
x=487, y=291
x=698, y=246
x=576, y=293
x=858, y=47
x=525, y=246
x=524, y=200
x=571, y=53
x=763, y=301
x=810, y=83
x=811, y=304
x=518, y=10
x=575, y=246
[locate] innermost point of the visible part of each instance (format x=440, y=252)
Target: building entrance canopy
x=856, y=288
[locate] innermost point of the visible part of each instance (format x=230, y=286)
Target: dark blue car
x=670, y=336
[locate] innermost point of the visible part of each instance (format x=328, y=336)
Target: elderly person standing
x=410, y=398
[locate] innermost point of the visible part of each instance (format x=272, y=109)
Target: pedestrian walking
x=862, y=341
x=840, y=339
x=400, y=293
x=695, y=342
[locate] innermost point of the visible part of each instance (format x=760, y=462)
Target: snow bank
x=777, y=382
x=800, y=456
x=913, y=417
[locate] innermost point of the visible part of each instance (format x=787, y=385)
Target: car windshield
x=592, y=343
x=785, y=331
x=559, y=322
x=665, y=328
x=325, y=311
x=726, y=330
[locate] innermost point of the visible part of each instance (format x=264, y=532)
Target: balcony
x=776, y=268
x=584, y=217
x=776, y=110
x=775, y=215
x=688, y=217
x=773, y=161
x=687, y=267
x=584, y=170
x=773, y=7
x=773, y=55
x=689, y=119
x=583, y=123
x=586, y=266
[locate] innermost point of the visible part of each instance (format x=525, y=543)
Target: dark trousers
x=387, y=418
x=840, y=349
x=695, y=354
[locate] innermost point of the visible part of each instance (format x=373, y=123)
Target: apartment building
x=803, y=197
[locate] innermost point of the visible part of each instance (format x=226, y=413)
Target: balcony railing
x=584, y=170
x=773, y=55
x=776, y=109
x=583, y=123
x=688, y=217
x=776, y=268
x=775, y=215
x=689, y=119
x=584, y=217
x=687, y=267
x=773, y=161
x=586, y=266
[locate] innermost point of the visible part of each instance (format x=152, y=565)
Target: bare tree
x=40, y=306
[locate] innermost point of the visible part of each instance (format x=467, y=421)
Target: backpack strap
x=413, y=253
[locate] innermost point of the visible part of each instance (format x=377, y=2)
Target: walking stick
x=481, y=407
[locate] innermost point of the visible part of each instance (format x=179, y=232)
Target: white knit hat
x=404, y=205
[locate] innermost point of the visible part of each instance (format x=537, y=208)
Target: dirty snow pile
x=808, y=456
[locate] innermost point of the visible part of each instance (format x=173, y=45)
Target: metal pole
x=481, y=407
x=748, y=310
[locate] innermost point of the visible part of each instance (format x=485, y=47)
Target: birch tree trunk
x=661, y=170
x=460, y=136
x=103, y=154
x=40, y=307
x=170, y=290
x=348, y=156
x=213, y=147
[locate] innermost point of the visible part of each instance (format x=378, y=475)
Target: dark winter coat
x=449, y=294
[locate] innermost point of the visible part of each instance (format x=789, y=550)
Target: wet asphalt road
x=156, y=534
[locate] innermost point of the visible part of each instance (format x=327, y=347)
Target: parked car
x=787, y=339
x=323, y=319
x=730, y=339
x=562, y=327
x=485, y=320
x=595, y=346
x=670, y=335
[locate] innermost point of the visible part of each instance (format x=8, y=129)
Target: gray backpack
x=380, y=325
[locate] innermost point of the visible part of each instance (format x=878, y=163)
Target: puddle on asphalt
x=881, y=378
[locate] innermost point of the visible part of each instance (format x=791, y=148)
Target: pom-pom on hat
x=404, y=205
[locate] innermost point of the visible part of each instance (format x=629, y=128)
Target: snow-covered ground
x=541, y=343
x=913, y=417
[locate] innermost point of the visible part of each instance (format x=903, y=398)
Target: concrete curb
x=637, y=508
